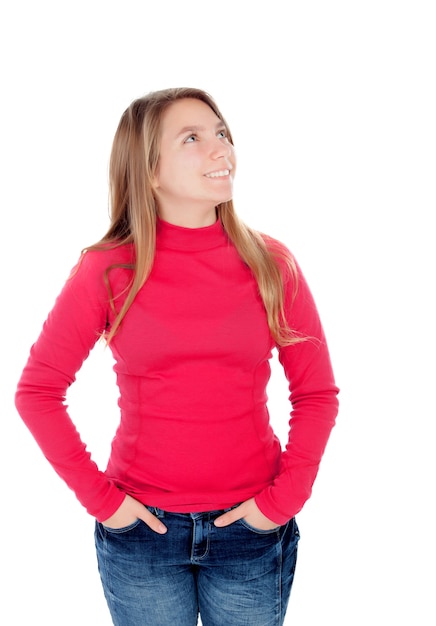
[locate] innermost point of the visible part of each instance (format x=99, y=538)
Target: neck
x=175, y=237
x=189, y=219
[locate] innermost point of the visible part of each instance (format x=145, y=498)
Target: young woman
x=195, y=512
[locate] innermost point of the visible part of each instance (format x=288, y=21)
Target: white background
x=332, y=107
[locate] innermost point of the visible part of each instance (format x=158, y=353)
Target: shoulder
x=96, y=266
x=108, y=254
x=276, y=247
x=103, y=257
x=283, y=257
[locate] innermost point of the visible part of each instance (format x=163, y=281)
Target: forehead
x=188, y=112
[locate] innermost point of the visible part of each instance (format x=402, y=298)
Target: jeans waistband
x=160, y=513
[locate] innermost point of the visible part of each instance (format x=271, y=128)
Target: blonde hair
x=133, y=211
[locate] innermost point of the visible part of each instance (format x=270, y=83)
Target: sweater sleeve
x=314, y=407
x=69, y=333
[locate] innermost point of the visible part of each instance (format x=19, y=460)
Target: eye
x=222, y=133
x=191, y=138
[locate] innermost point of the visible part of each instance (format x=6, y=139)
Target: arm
x=313, y=397
x=314, y=406
x=68, y=334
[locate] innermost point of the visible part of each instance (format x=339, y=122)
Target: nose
x=221, y=148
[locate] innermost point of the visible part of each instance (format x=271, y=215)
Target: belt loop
x=230, y=508
x=156, y=511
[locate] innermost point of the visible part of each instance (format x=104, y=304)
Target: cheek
x=167, y=174
x=233, y=158
x=179, y=170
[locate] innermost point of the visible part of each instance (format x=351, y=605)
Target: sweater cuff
x=111, y=504
x=265, y=502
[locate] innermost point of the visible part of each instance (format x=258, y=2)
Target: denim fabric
x=232, y=576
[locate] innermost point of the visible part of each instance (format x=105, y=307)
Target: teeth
x=217, y=174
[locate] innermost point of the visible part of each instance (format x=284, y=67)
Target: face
x=196, y=164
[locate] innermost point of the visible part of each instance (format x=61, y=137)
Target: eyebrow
x=194, y=128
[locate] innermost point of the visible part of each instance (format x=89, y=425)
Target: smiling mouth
x=218, y=174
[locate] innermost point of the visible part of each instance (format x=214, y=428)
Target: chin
x=227, y=198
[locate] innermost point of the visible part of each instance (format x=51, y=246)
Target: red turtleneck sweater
x=192, y=365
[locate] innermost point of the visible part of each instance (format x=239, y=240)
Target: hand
x=249, y=511
x=130, y=511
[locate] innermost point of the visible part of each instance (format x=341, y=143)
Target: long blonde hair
x=133, y=211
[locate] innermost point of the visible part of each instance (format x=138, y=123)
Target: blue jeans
x=233, y=576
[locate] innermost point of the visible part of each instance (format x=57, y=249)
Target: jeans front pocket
x=123, y=529
x=258, y=531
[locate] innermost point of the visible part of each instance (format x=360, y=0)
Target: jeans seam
x=279, y=579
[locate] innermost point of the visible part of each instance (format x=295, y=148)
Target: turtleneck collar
x=175, y=237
